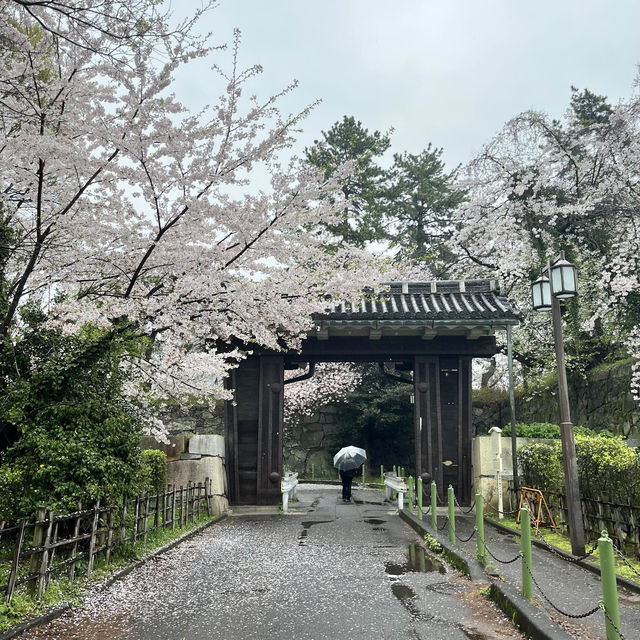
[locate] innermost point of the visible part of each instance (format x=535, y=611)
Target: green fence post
x=452, y=515
x=394, y=470
x=525, y=547
x=609, y=588
x=410, y=493
x=313, y=471
x=382, y=474
x=434, y=506
x=480, y=549
x=363, y=476
x=419, y=498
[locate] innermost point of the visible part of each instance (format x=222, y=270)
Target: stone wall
x=603, y=401
x=193, y=459
x=195, y=419
x=307, y=443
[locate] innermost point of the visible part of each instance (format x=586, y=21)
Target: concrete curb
x=59, y=609
x=589, y=566
x=469, y=566
x=531, y=619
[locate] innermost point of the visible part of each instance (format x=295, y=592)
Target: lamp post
x=547, y=292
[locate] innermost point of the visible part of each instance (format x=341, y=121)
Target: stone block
x=219, y=504
x=176, y=446
x=207, y=445
x=181, y=472
x=310, y=439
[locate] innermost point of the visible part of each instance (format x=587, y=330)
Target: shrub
x=155, y=463
x=541, y=465
x=73, y=438
x=544, y=430
x=607, y=468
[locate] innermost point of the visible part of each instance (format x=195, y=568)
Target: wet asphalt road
x=330, y=571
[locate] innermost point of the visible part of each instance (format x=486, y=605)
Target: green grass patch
x=561, y=541
x=24, y=606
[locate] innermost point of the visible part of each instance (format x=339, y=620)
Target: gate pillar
x=254, y=430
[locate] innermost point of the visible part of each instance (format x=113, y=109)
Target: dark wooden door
x=254, y=431
x=442, y=422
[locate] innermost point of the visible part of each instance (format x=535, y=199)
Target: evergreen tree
x=421, y=201
x=349, y=141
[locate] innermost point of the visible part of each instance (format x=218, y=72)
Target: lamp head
x=564, y=283
x=541, y=294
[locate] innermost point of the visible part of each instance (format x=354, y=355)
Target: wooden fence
x=620, y=521
x=31, y=552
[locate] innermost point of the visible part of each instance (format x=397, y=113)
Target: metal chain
x=612, y=623
x=473, y=506
x=564, y=613
x=484, y=545
x=444, y=524
x=473, y=533
x=624, y=559
x=555, y=551
x=506, y=513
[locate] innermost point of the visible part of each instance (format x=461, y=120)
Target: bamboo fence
x=32, y=552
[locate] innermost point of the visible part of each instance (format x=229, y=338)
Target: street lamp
x=547, y=292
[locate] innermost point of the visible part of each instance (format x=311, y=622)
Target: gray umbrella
x=349, y=458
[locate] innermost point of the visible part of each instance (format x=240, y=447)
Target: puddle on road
x=406, y=595
x=306, y=525
x=418, y=560
x=472, y=635
x=402, y=592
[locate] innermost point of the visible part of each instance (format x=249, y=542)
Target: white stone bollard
x=393, y=483
x=288, y=486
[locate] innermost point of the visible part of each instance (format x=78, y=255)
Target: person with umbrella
x=348, y=462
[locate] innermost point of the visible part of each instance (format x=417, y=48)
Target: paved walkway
x=569, y=587
x=330, y=571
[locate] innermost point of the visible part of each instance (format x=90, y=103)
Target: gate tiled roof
x=441, y=304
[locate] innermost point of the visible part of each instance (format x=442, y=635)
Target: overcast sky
x=450, y=72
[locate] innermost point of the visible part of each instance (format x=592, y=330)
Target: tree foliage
x=607, y=468
x=70, y=435
x=362, y=218
x=378, y=417
x=542, y=186
x=408, y=205
x=420, y=205
x=123, y=205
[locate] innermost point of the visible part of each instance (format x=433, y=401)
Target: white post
x=496, y=440
x=400, y=500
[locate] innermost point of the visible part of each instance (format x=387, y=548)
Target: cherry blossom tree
x=119, y=205
x=330, y=383
x=541, y=186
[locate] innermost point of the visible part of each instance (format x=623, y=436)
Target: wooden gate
x=254, y=431
x=442, y=422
